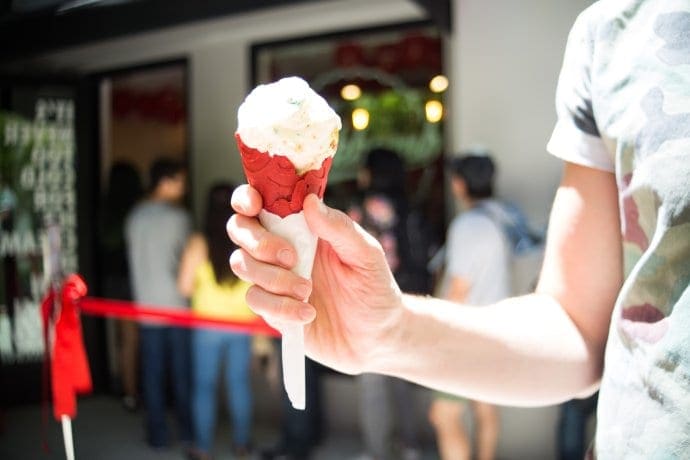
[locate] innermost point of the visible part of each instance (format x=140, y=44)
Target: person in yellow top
x=216, y=292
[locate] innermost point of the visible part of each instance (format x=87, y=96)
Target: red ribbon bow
x=68, y=362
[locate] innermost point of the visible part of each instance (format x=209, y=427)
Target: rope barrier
x=141, y=313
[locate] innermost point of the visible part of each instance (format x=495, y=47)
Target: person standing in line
x=123, y=191
x=477, y=261
x=216, y=292
x=571, y=430
x=156, y=232
x=301, y=431
x=382, y=210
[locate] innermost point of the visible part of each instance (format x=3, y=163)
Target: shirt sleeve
x=576, y=137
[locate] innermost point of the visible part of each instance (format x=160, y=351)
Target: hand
x=355, y=306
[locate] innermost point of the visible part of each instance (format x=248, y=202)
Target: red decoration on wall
x=349, y=54
x=165, y=105
x=387, y=57
x=415, y=50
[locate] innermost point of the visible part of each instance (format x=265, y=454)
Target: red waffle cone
x=282, y=189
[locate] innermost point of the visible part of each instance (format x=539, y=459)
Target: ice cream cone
x=274, y=176
x=287, y=136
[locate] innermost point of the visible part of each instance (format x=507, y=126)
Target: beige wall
x=503, y=60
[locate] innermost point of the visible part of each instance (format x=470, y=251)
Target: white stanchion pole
x=67, y=437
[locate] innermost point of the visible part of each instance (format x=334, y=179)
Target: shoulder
x=590, y=19
x=474, y=228
x=137, y=214
x=174, y=217
x=473, y=221
x=175, y=211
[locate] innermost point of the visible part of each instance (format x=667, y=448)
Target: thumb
x=351, y=243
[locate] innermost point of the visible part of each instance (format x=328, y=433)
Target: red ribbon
x=170, y=317
x=67, y=361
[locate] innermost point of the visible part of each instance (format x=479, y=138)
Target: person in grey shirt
x=156, y=232
x=477, y=271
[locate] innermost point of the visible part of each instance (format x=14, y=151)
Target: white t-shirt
x=477, y=251
x=623, y=104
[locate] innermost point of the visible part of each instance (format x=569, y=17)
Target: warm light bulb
x=350, y=92
x=438, y=84
x=434, y=111
x=360, y=119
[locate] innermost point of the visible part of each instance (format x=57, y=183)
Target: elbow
x=590, y=372
x=184, y=288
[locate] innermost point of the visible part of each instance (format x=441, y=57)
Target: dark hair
x=478, y=173
x=124, y=188
x=387, y=171
x=163, y=168
x=220, y=247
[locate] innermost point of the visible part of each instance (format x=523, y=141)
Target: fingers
x=272, y=278
x=352, y=244
x=277, y=309
x=250, y=235
x=246, y=200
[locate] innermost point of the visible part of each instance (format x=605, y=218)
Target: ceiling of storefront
x=38, y=26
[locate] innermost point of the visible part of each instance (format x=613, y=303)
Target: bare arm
x=194, y=254
x=538, y=349
x=458, y=289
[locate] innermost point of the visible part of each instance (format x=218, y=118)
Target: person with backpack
x=476, y=271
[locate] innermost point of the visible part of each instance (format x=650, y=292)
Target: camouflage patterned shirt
x=623, y=105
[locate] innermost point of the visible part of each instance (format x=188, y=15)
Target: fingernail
x=285, y=256
x=307, y=313
x=238, y=204
x=302, y=290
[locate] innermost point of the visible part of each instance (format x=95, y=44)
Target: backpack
x=526, y=246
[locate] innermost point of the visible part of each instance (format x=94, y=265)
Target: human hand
x=355, y=305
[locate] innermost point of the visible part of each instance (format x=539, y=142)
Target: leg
x=486, y=418
x=313, y=393
x=179, y=349
x=153, y=384
x=129, y=358
x=238, y=387
x=445, y=416
x=206, y=354
x=300, y=430
x=404, y=402
x=375, y=415
x=571, y=431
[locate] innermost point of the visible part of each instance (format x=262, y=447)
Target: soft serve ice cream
x=287, y=135
x=288, y=118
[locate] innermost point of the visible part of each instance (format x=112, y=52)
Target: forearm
x=523, y=351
